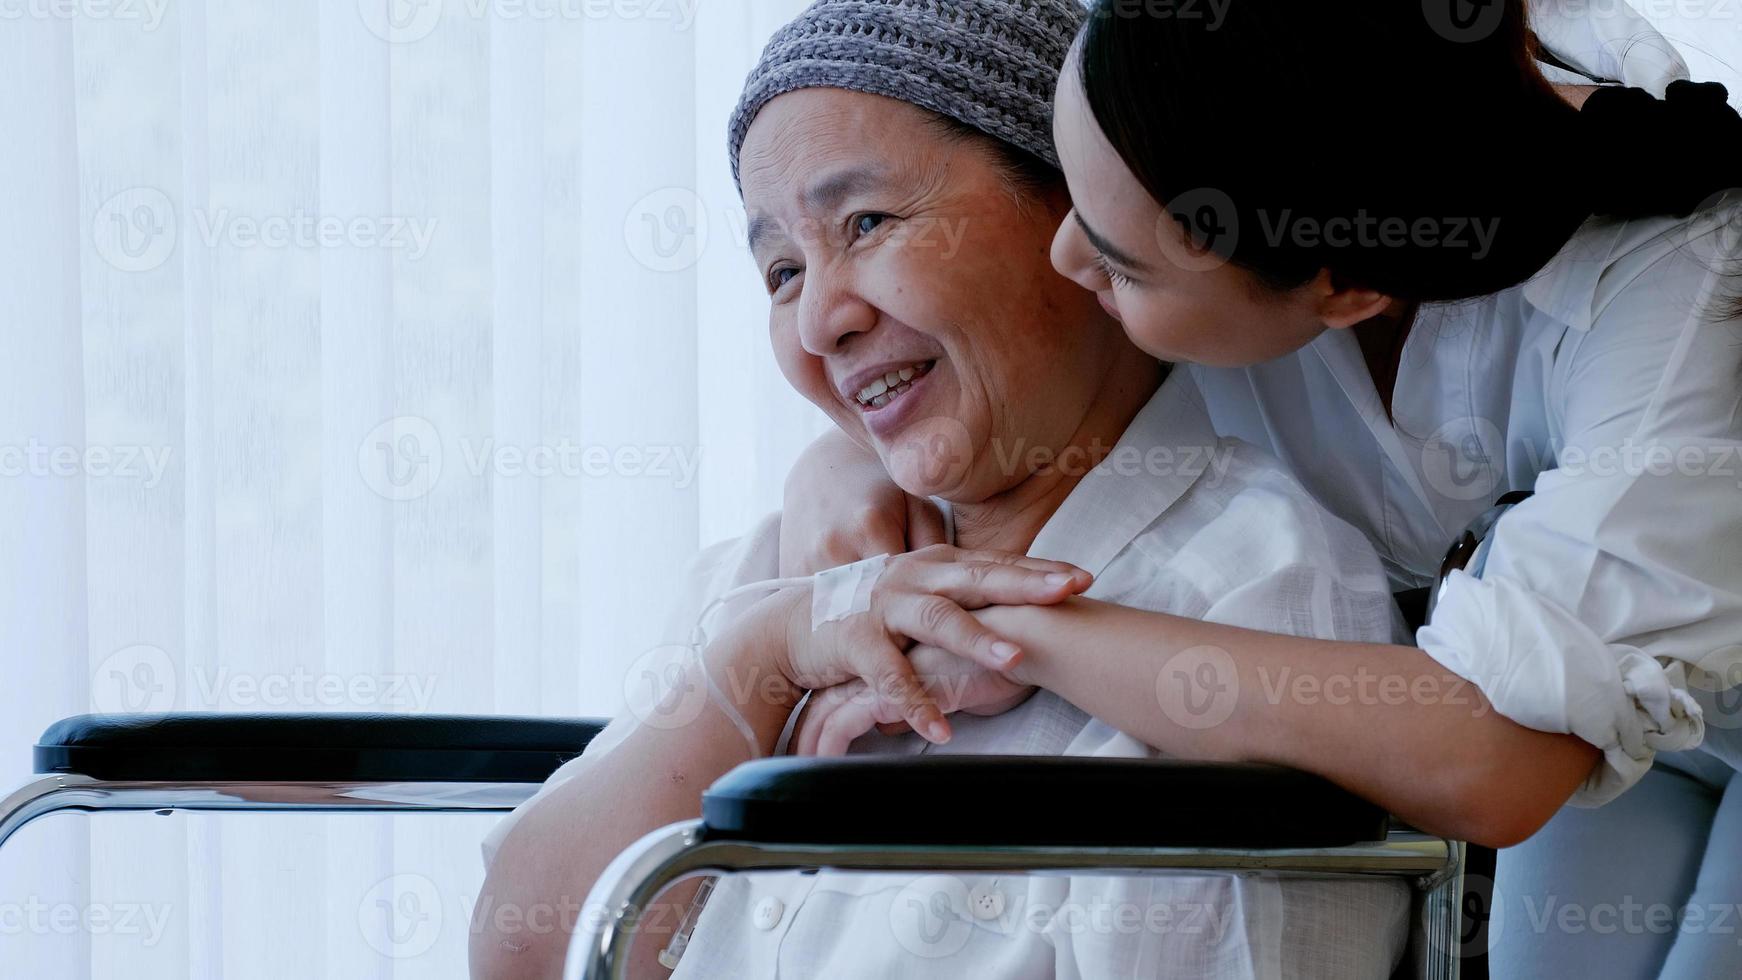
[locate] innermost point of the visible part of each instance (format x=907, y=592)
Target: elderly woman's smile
x=878, y=389
x=912, y=296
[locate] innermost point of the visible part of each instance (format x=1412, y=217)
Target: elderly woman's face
x=912, y=295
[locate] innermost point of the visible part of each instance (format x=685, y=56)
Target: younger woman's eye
x=1114, y=276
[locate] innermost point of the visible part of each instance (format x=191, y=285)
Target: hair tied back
x=1660, y=156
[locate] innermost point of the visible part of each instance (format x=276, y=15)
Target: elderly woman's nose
x=830, y=311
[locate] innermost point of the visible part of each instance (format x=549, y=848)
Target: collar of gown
x=1165, y=451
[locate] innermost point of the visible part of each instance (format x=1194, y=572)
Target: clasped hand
x=919, y=652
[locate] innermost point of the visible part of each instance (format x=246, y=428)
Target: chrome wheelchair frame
x=772, y=815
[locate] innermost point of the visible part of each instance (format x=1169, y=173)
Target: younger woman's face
x=1177, y=302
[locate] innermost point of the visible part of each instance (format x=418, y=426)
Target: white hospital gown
x=1176, y=520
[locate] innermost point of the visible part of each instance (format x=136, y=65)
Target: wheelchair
x=795, y=814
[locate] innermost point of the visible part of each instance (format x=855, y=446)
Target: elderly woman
x=987, y=381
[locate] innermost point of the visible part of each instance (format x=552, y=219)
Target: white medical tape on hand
x=845, y=591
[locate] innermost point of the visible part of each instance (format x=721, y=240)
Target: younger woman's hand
x=921, y=598
x=835, y=718
x=841, y=507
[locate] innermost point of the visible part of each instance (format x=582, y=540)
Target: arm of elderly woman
x=539, y=879
x=757, y=672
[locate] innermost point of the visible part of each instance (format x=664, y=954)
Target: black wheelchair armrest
x=212, y=747
x=1014, y=801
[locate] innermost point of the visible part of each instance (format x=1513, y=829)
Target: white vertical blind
x=353, y=360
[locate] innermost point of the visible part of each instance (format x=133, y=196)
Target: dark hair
x=1264, y=129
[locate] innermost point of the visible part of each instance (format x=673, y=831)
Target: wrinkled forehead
x=808, y=151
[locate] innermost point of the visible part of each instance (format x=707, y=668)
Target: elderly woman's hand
x=921, y=598
x=842, y=507
x=835, y=718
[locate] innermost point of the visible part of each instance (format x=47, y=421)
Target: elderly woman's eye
x=778, y=278
x=865, y=224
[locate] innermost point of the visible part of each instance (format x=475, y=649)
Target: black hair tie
x=1647, y=156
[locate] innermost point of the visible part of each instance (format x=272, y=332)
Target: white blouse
x=1175, y=520
x=1611, y=385
x=1608, y=41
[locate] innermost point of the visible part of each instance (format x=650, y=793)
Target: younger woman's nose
x=1073, y=256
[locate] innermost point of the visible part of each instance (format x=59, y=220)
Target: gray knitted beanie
x=989, y=64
